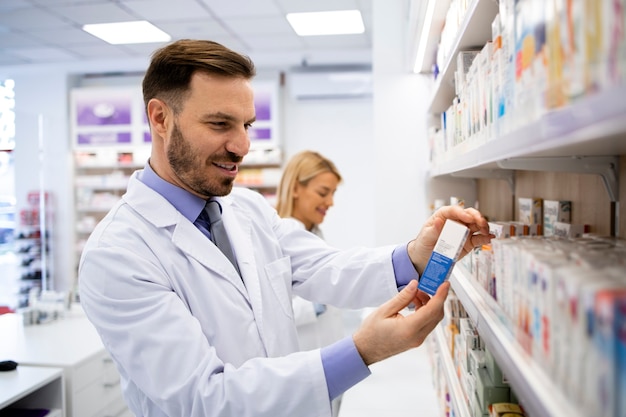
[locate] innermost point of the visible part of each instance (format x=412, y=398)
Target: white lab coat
x=315, y=331
x=188, y=337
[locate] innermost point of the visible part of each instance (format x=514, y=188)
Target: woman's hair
x=300, y=169
x=172, y=66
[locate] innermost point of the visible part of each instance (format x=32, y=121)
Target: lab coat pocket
x=279, y=276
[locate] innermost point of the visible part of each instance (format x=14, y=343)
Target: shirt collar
x=186, y=203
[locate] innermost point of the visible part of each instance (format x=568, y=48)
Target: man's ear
x=159, y=116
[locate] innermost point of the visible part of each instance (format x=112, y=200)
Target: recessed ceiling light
x=342, y=22
x=127, y=32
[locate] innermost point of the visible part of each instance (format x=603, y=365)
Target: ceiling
x=49, y=31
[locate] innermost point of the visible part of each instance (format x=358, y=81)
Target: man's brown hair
x=172, y=66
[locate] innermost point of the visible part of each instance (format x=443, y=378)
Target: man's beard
x=191, y=169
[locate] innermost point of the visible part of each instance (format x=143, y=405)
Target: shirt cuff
x=343, y=366
x=403, y=268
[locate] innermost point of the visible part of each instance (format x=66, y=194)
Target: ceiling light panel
x=120, y=33
x=341, y=22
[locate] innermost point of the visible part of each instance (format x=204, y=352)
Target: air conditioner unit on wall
x=330, y=83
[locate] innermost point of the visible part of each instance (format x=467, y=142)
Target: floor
x=400, y=386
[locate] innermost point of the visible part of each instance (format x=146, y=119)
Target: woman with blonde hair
x=307, y=188
x=305, y=193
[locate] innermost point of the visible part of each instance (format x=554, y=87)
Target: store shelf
x=30, y=387
x=590, y=127
x=474, y=32
x=538, y=394
x=452, y=379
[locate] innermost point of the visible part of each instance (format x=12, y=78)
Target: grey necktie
x=218, y=232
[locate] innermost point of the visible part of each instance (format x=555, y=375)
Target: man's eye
x=247, y=126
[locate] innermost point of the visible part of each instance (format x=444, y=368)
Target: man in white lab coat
x=189, y=334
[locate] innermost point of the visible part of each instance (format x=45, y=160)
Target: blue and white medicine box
x=444, y=255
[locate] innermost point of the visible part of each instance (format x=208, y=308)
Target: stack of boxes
x=565, y=300
x=481, y=379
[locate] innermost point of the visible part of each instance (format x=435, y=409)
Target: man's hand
x=422, y=246
x=386, y=332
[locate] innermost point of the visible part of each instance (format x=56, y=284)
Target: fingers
x=385, y=332
x=471, y=217
x=421, y=298
x=431, y=312
x=400, y=301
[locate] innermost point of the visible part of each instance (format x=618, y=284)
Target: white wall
x=341, y=130
x=400, y=104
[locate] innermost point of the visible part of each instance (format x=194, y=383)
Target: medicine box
x=493, y=369
x=441, y=262
x=555, y=211
x=505, y=409
x=568, y=230
x=530, y=210
x=487, y=392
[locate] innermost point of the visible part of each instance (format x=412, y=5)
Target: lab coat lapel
x=186, y=236
x=192, y=241
x=239, y=228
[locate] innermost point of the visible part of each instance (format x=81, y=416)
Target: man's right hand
x=387, y=332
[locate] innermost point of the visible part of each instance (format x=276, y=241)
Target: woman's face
x=312, y=201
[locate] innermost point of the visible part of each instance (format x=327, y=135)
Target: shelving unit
x=450, y=375
x=586, y=136
x=261, y=170
x=100, y=180
x=474, y=32
x=590, y=127
x=32, y=243
x=537, y=392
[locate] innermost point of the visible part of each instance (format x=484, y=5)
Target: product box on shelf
x=530, y=210
x=468, y=340
x=507, y=18
x=542, y=267
x=605, y=379
x=621, y=356
x=496, y=376
x=476, y=407
x=499, y=230
x=555, y=211
x=505, y=410
x=487, y=392
x=497, y=74
x=568, y=230
x=476, y=359
x=579, y=359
